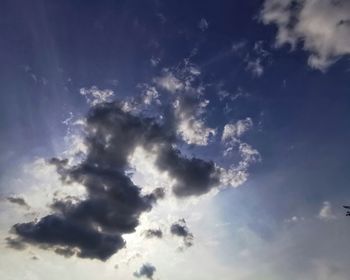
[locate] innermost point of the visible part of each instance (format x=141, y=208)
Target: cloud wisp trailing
x=19, y=201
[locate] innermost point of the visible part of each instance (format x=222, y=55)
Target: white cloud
x=190, y=124
x=94, y=95
x=326, y=212
x=248, y=154
x=169, y=82
x=233, y=177
x=322, y=26
x=183, y=81
x=149, y=94
x=237, y=174
x=233, y=131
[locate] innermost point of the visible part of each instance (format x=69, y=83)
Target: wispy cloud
x=203, y=24
x=326, y=212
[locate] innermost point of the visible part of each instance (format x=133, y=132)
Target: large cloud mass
x=93, y=227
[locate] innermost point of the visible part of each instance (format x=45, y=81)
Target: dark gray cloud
x=147, y=270
x=194, y=176
x=92, y=228
x=54, y=230
x=180, y=229
x=18, y=200
x=66, y=252
x=34, y=258
x=150, y=233
x=15, y=243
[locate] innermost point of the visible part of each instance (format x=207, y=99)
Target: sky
x=174, y=140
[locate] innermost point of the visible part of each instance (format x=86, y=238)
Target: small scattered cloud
x=295, y=219
x=189, y=106
x=237, y=47
x=203, y=24
x=94, y=95
x=190, y=124
x=326, y=212
x=149, y=94
x=232, y=131
x=180, y=229
x=147, y=270
x=151, y=233
x=161, y=17
x=255, y=67
x=169, y=82
x=237, y=174
x=155, y=61
x=257, y=59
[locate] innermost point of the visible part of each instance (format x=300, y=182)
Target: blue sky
x=248, y=107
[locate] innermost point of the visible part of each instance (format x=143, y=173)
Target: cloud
x=322, y=27
x=189, y=112
x=111, y=133
x=93, y=227
x=54, y=230
x=257, y=59
x=155, y=61
x=193, y=176
x=149, y=94
x=232, y=131
x=248, y=154
x=238, y=46
x=66, y=252
x=94, y=95
x=326, y=212
x=255, y=67
x=150, y=233
x=19, y=201
x=15, y=243
x=147, y=270
x=169, y=82
x=188, y=104
x=203, y=24
x=180, y=79
x=180, y=229
x=34, y=258
x=237, y=174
